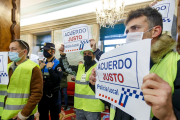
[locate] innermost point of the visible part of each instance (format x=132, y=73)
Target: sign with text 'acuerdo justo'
x=76, y=38
x=166, y=8
x=120, y=75
x=4, y=78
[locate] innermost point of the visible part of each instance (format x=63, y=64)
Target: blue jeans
x=65, y=95
x=85, y=115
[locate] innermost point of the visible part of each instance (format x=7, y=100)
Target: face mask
x=135, y=36
x=14, y=56
x=88, y=60
x=46, y=54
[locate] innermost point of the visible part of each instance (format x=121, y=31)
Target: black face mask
x=88, y=60
x=46, y=54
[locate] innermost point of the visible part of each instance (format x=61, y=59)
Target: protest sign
x=76, y=38
x=41, y=56
x=35, y=58
x=4, y=78
x=120, y=75
x=166, y=8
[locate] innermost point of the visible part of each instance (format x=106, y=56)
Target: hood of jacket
x=161, y=47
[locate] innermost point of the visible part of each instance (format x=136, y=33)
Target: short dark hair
x=22, y=44
x=80, y=61
x=154, y=18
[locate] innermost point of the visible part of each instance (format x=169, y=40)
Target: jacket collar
x=161, y=47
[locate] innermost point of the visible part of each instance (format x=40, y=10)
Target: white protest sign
x=4, y=78
x=166, y=8
x=41, y=56
x=76, y=38
x=34, y=58
x=120, y=75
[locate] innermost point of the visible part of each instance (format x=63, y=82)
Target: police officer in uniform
x=52, y=75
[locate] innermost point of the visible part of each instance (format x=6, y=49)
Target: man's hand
x=92, y=78
x=50, y=64
x=153, y=3
x=42, y=65
x=157, y=94
x=93, y=44
x=16, y=117
x=61, y=50
x=73, y=78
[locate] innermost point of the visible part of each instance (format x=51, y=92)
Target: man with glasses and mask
x=52, y=75
x=161, y=88
x=19, y=99
x=87, y=106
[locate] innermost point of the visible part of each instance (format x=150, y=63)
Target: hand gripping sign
x=76, y=38
x=166, y=8
x=4, y=78
x=120, y=75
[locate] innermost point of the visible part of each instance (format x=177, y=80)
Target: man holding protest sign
x=161, y=87
x=18, y=99
x=87, y=106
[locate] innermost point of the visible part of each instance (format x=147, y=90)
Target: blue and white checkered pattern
x=131, y=93
x=3, y=75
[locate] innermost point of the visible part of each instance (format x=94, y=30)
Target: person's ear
x=156, y=31
x=25, y=51
x=54, y=51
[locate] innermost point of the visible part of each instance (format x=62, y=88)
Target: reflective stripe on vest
x=18, y=91
x=112, y=112
x=83, y=83
x=14, y=107
x=3, y=93
x=167, y=69
x=1, y=104
x=85, y=96
x=17, y=95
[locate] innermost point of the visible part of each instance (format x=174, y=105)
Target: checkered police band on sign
x=76, y=38
x=120, y=75
x=166, y=8
x=4, y=78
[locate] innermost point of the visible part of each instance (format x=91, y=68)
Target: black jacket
x=72, y=69
x=55, y=76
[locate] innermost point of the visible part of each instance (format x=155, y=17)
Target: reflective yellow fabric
x=167, y=69
x=18, y=91
x=84, y=98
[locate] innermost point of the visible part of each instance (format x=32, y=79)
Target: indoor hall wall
x=31, y=40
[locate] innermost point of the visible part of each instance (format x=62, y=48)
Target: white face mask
x=135, y=36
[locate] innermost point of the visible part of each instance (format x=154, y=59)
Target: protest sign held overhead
x=4, y=78
x=76, y=38
x=166, y=8
x=120, y=75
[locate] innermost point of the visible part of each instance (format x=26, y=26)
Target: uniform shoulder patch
x=59, y=69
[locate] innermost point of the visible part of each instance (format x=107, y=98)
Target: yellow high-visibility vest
x=3, y=93
x=166, y=69
x=112, y=112
x=84, y=97
x=18, y=91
